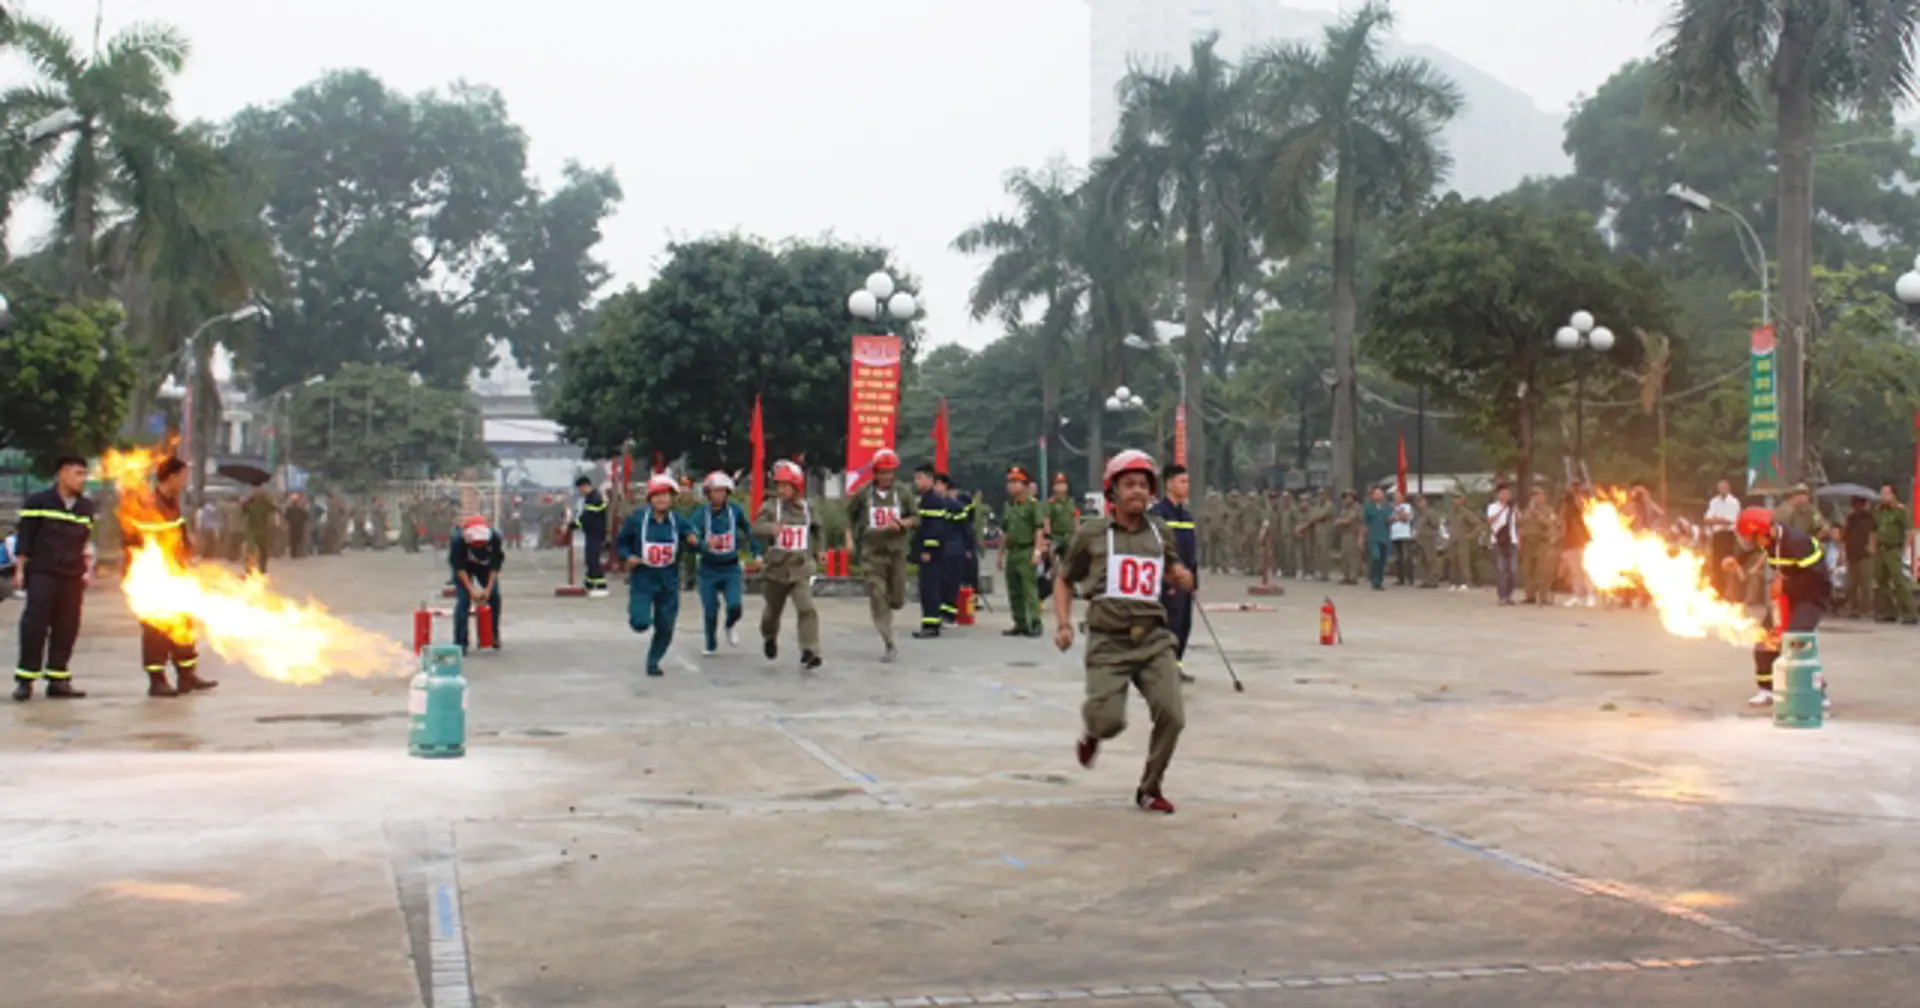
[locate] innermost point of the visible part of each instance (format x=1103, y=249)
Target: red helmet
x=662, y=483
x=1132, y=461
x=474, y=530
x=1753, y=521
x=885, y=459
x=787, y=472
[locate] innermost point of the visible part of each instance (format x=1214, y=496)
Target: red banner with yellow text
x=872, y=404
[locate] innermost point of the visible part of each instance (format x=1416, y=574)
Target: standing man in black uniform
x=1172, y=509
x=930, y=554
x=592, y=524
x=1802, y=590
x=160, y=521
x=56, y=525
x=954, y=548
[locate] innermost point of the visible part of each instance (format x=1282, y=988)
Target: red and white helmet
x=717, y=480
x=788, y=472
x=1753, y=521
x=661, y=483
x=885, y=459
x=474, y=530
x=1128, y=461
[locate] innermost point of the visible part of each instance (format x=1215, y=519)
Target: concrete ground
x=1460, y=805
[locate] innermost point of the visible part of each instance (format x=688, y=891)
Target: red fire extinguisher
x=1329, y=623
x=422, y=628
x=483, y=624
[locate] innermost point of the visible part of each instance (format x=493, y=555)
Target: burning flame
x=1676, y=577
x=242, y=618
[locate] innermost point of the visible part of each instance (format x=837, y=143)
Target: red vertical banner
x=940, y=436
x=758, y=434
x=1180, y=435
x=1400, y=482
x=871, y=401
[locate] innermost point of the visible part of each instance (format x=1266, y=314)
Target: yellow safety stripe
x=21, y=673
x=156, y=668
x=929, y=542
x=51, y=674
x=56, y=516
x=1185, y=526
x=1804, y=562
x=932, y=513
x=594, y=507
x=185, y=662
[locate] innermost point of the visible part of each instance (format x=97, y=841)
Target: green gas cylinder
x=437, y=705
x=1799, y=692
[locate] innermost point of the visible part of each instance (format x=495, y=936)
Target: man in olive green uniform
x=1463, y=542
x=1313, y=514
x=1539, y=549
x=297, y=535
x=1349, y=533
x=260, y=514
x=1063, y=518
x=1120, y=563
x=881, y=517
x=233, y=535
x=1286, y=551
x=1020, y=534
x=1891, y=526
x=787, y=524
x=379, y=523
x=334, y=537
x=1213, y=529
x=1426, y=539
x=410, y=526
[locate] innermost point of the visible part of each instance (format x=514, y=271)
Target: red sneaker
x=1087, y=749
x=1152, y=803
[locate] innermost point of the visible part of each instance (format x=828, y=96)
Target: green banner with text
x=1763, y=418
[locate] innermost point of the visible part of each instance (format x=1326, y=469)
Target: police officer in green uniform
x=1019, y=536
x=1063, y=518
x=1120, y=563
x=1891, y=526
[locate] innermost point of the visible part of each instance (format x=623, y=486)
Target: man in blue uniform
x=723, y=528
x=954, y=548
x=50, y=563
x=592, y=523
x=930, y=556
x=1172, y=509
x=476, y=556
x=649, y=546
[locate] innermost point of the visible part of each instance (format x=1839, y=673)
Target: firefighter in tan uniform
x=1119, y=563
x=791, y=531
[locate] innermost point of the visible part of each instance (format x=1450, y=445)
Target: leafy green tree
x=1863, y=382
x=675, y=367
x=1469, y=296
x=123, y=142
x=413, y=236
x=369, y=424
x=66, y=379
x=1181, y=162
x=1732, y=60
x=990, y=394
x=1374, y=126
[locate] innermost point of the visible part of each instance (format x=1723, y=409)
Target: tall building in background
x=1500, y=139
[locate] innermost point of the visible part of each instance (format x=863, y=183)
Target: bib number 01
x=793, y=538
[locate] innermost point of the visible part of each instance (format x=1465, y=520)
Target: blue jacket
x=643, y=527
x=730, y=520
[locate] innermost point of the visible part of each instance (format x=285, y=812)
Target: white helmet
x=718, y=480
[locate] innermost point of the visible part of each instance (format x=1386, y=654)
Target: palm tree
x=1035, y=258
x=124, y=135
x=1374, y=125
x=1181, y=162
x=1737, y=60
x=1126, y=271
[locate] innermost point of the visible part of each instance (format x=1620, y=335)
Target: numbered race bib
x=882, y=517
x=658, y=554
x=720, y=542
x=1135, y=577
x=792, y=538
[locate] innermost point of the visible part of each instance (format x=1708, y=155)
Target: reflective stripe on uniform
x=156, y=668
x=1185, y=526
x=1807, y=561
x=51, y=674
x=56, y=516
x=21, y=673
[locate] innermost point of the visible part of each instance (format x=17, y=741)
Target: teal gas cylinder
x=437, y=705
x=1799, y=689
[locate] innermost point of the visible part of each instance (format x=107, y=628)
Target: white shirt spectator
x=1402, y=522
x=1499, y=514
x=1723, y=509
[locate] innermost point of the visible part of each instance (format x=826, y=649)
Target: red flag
x=940, y=437
x=1402, y=482
x=759, y=436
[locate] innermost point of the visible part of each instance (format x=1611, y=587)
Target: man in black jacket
x=476, y=556
x=56, y=525
x=1172, y=509
x=592, y=524
x=1802, y=589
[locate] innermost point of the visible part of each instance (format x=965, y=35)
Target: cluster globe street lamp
x=1907, y=289
x=1580, y=333
x=1124, y=401
x=878, y=301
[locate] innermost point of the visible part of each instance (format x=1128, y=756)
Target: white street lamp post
x=1580, y=333
x=1907, y=289
x=1135, y=342
x=878, y=301
x=190, y=349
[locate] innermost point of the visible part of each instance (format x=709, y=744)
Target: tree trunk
x=1096, y=393
x=1346, y=312
x=80, y=249
x=1793, y=145
x=1050, y=400
x=1195, y=354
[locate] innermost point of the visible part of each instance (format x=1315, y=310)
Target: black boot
x=809, y=660
x=1015, y=632
x=158, y=686
x=62, y=689
x=927, y=631
x=190, y=681
x=22, y=690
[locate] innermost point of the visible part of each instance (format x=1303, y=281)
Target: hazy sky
x=883, y=120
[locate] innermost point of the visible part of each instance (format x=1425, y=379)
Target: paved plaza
x=1460, y=805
